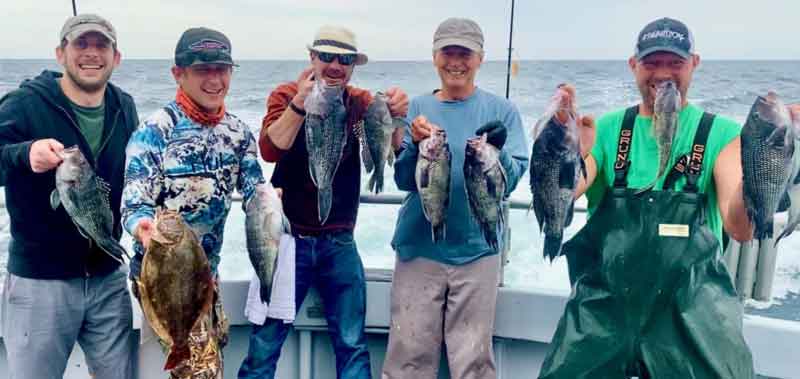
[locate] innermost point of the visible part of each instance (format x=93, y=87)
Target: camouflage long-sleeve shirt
x=189, y=168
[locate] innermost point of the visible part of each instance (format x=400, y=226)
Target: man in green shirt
x=651, y=297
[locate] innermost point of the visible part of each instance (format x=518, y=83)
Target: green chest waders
x=650, y=294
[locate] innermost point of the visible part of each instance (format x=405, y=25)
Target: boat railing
x=751, y=265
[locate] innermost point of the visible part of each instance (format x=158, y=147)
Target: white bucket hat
x=337, y=40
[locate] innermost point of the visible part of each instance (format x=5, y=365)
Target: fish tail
x=764, y=232
x=176, y=356
x=552, y=246
x=490, y=234
x=265, y=292
x=324, y=203
x=376, y=182
x=439, y=232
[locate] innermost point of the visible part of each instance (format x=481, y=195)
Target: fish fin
x=366, y=157
x=777, y=135
x=82, y=232
x=490, y=234
x=324, y=203
x=176, y=356
x=552, y=246
x=286, y=225
x=390, y=157
x=55, y=199
x=785, y=202
x=491, y=188
x=265, y=291
x=787, y=230
x=538, y=212
x=114, y=249
x=570, y=213
x=566, y=175
x=424, y=178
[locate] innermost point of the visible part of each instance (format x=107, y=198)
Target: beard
x=93, y=85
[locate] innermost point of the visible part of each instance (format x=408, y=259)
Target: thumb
x=55, y=146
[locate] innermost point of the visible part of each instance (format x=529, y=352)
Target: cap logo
x=208, y=44
x=666, y=33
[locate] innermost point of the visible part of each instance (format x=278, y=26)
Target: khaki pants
x=432, y=301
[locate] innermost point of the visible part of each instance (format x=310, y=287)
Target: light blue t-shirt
x=464, y=241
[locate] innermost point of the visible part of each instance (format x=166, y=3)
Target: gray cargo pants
x=42, y=320
x=433, y=301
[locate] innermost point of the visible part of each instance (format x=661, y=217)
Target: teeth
x=90, y=67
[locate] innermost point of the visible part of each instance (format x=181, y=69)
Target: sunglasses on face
x=344, y=59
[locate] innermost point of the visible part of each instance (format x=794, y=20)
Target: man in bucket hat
x=61, y=287
x=190, y=156
x=326, y=254
x=446, y=291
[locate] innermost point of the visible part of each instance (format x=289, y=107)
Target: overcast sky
x=403, y=29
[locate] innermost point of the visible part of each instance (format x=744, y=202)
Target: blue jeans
x=330, y=262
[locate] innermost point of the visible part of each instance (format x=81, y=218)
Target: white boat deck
x=524, y=325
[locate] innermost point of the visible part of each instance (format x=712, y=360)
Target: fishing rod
x=74, y=9
x=510, y=36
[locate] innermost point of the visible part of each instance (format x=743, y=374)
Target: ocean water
x=724, y=87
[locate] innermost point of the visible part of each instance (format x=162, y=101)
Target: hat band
x=334, y=43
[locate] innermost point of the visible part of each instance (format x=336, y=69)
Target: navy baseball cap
x=665, y=34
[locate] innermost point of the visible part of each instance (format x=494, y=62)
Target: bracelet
x=296, y=109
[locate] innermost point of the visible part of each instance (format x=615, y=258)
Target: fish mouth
x=770, y=108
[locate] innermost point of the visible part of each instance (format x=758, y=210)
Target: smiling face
x=88, y=61
x=206, y=84
x=660, y=67
x=333, y=73
x=457, y=67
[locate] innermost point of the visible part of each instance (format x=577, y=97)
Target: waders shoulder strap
x=692, y=163
x=622, y=163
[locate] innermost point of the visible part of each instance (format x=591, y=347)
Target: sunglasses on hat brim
x=205, y=55
x=344, y=59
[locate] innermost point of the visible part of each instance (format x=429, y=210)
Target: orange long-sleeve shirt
x=292, y=173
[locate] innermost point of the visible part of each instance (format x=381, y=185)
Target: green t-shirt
x=644, y=155
x=90, y=122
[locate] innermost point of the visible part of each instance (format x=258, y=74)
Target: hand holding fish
x=44, y=155
x=586, y=124
x=397, y=102
x=305, y=82
x=144, y=231
x=421, y=128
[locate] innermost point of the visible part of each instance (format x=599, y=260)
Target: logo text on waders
x=623, y=149
x=697, y=158
x=673, y=230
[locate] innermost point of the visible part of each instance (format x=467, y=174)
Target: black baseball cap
x=203, y=46
x=665, y=34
